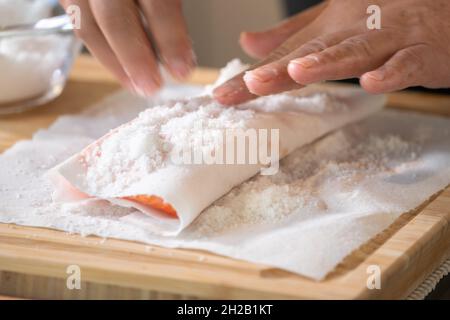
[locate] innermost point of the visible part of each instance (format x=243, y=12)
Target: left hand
x=332, y=42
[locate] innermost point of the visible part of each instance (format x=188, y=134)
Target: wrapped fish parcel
x=176, y=159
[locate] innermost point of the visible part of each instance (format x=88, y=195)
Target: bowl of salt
x=36, y=53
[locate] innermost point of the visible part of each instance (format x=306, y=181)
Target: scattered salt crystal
x=233, y=68
x=316, y=103
x=304, y=182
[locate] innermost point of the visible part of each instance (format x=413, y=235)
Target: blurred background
x=215, y=25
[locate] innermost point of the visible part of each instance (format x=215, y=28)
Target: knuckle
x=419, y=16
x=357, y=46
x=338, y=53
x=408, y=65
x=280, y=52
x=335, y=54
x=413, y=64
x=316, y=45
x=412, y=56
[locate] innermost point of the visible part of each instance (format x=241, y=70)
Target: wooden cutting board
x=33, y=261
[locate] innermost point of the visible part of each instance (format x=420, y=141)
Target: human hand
x=115, y=31
x=332, y=42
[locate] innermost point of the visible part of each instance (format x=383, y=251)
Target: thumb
x=260, y=44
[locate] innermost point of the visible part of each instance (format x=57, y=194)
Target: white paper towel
x=135, y=159
x=328, y=198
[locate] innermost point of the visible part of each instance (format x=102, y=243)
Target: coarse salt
x=299, y=185
x=28, y=63
x=143, y=145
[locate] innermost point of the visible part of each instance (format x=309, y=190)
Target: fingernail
x=377, y=75
x=261, y=75
x=227, y=90
x=145, y=89
x=306, y=62
x=146, y=85
x=180, y=69
x=243, y=36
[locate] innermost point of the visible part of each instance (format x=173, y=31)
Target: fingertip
x=249, y=36
x=294, y=71
x=245, y=40
x=234, y=98
x=223, y=100
x=252, y=82
x=253, y=46
x=232, y=92
x=154, y=84
x=179, y=69
x=261, y=80
x=145, y=90
x=243, y=37
x=180, y=63
x=145, y=85
x=373, y=83
x=301, y=70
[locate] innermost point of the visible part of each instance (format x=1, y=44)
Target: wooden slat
x=422, y=102
x=33, y=260
x=8, y=298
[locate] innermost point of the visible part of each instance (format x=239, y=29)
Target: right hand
x=115, y=32
x=333, y=41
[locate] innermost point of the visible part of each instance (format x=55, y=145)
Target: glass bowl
x=34, y=65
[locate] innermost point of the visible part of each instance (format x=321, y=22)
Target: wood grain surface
x=33, y=261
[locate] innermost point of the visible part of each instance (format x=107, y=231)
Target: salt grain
x=27, y=64
x=143, y=145
x=303, y=182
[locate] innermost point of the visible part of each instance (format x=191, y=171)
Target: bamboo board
x=33, y=261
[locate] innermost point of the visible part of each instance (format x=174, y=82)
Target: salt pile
x=27, y=63
x=306, y=181
x=144, y=145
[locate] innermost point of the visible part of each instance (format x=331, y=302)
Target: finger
x=274, y=77
x=350, y=58
x=169, y=31
x=235, y=90
x=95, y=41
x=404, y=69
x=260, y=44
x=121, y=24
